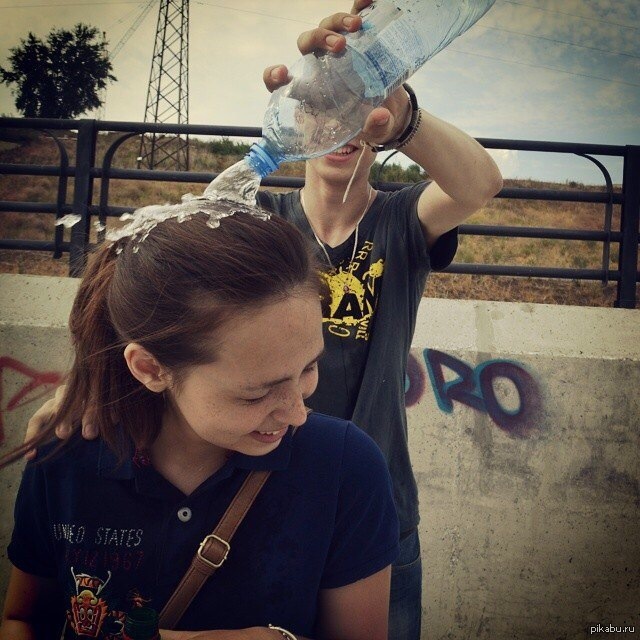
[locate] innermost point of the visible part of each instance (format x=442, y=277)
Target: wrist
x=411, y=124
x=282, y=633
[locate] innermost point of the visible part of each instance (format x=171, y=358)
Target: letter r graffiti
x=463, y=389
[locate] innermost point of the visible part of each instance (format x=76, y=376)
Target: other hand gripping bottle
x=330, y=95
x=141, y=624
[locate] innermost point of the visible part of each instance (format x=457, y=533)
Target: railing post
x=82, y=195
x=629, y=221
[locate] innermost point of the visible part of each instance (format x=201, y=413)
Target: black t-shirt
x=371, y=321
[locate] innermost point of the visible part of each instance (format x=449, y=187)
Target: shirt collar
x=276, y=460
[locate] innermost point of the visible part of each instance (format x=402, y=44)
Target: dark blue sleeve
x=31, y=546
x=365, y=537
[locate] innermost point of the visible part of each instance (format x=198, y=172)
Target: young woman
x=198, y=347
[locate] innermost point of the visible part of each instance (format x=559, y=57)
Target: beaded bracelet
x=285, y=634
x=414, y=123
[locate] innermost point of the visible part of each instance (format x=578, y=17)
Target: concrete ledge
x=524, y=432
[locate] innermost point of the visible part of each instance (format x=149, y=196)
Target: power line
x=125, y=17
x=539, y=66
x=571, y=15
x=572, y=44
x=71, y=4
x=257, y=13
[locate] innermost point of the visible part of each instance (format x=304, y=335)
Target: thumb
x=379, y=126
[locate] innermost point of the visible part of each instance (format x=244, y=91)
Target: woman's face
x=267, y=364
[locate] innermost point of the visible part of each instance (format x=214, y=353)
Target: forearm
x=456, y=162
x=17, y=630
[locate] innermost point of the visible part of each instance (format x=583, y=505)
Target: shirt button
x=184, y=514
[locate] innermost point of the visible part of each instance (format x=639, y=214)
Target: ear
x=145, y=368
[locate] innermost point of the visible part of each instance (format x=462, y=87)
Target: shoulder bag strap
x=213, y=550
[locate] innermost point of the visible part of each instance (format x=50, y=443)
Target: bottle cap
x=141, y=624
x=261, y=160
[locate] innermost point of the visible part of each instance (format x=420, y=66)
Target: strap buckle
x=226, y=548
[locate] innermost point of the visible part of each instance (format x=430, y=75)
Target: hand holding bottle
x=385, y=122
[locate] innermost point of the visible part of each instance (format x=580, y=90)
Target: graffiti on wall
x=36, y=385
x=475, y=387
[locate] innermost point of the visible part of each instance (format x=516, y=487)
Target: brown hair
x=169, y=293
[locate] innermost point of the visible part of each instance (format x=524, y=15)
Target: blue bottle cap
x=261, y=161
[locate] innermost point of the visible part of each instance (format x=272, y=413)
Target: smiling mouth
x=346, y=150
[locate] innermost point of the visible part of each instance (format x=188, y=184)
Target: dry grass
x=27, y=148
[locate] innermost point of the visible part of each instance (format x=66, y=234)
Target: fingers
x=379, y=126
x=320, y=39
x=327, y=36
x=341, y=22
x=89, y=428
x=388, y=121
x=37, y=422
x=42, y=417
x=275, y=76
x=359, y=5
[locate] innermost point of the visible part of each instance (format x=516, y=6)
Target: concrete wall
x=524, y=431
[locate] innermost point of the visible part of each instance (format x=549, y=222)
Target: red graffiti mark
x=36, y=379
x=414, y=382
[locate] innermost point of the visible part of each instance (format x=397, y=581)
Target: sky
x=558, y=70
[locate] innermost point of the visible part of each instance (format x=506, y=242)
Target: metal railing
x=85, y=171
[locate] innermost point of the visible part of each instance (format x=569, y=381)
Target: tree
x=59, y=78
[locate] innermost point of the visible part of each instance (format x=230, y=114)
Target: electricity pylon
x=168, y=92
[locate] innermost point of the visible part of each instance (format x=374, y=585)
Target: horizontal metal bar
x=556, y=195
x=559, y=195
x=553, y=147
x=256, y=132
x=530, y=272
x=538, y=232
x=34, y=170
x=32, y=245
x=33, y=207
x=523, y=193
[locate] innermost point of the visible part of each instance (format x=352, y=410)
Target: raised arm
x=464, y=175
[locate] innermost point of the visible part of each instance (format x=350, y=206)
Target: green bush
x=226, y=147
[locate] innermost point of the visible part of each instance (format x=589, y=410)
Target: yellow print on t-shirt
x=354, y=297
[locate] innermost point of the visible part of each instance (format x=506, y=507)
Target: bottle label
x=392, y=49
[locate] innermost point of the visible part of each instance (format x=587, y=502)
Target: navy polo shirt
x=115, y=537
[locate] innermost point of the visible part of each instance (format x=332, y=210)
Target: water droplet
x=68, y=221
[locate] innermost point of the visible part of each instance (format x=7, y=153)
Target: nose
x=292, y=409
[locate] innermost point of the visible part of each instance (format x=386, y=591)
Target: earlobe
x=145, y=368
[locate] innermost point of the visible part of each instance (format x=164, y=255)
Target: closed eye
x=311, y=368
x=256, y=400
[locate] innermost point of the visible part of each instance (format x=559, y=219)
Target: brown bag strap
x=213, y=550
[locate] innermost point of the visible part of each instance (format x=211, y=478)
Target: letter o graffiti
x=526, y=419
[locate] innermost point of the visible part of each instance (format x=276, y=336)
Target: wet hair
x=172, y=293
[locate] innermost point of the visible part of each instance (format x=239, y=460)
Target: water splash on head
x=141, y=222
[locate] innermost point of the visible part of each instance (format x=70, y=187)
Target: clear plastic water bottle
x=330, y=95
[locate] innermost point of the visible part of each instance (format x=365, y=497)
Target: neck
x=183, y=458
x=331, y=219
